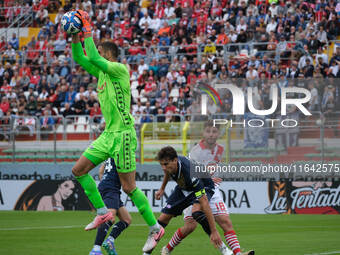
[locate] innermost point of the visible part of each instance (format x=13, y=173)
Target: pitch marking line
x=325, y=253
x=56, y=227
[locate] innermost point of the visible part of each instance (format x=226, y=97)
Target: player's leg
x=138, y=198
x=101, y=234
x=81, y=170
x=189, y=226
x=150, y=244
x=201, y=218
x=175, y=205
x=117, y=229
x=125, y=158
x=224, y=221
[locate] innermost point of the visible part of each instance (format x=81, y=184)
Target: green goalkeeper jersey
x=113, y=85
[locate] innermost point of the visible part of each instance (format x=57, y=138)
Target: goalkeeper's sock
x=144, y=208
x=91, y=191
x=200, y=217
x=232, y=241
x=101, y=232
x=118, y=228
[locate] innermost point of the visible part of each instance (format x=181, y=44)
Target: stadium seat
x=60, y=129
x=70, y=128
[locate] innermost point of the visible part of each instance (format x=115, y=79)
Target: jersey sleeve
x=112, y=68
x=81, y=59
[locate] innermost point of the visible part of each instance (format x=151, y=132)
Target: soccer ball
x=70, y=23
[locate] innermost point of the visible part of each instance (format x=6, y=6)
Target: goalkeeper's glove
x=85, y=19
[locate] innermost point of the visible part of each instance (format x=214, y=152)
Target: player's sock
x=175, y=240
x=91, y=191
x=101, y=232
x=200, y=217
x=232, y=241
x=142, y=203
x=118, y=228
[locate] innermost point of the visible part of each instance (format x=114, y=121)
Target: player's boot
x=93, y=252
x=165, y=251
x=153, y=239
x=226, y=251
x=109, y=246
x=100, y=219
x=251, y=252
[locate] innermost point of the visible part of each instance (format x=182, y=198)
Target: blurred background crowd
x=170, y=47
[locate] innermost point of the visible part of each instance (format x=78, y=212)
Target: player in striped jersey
x=208, y=151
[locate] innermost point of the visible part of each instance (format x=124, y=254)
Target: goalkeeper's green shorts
x=119, y=145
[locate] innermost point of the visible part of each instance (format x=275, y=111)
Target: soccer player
x=208, y=151
x=118, y=140
x=189, y=191
x=109, y=188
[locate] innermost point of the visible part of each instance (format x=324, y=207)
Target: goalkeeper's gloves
x=85, y=19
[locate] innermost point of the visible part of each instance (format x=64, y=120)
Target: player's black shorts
x=111, y=199
x=178, y=201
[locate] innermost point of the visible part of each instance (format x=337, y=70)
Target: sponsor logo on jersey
x=101, y=87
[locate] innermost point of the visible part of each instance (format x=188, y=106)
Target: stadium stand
x=169, y=48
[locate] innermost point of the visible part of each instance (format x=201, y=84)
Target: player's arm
x=214, y=236
x=160, y=192
x=112, y=68
x=101, y=171
x=80, y=58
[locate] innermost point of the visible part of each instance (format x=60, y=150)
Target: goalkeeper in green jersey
x=118, y=140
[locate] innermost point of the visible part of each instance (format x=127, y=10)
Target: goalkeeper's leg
x=80, y=171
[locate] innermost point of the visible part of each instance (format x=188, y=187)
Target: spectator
x=32, y=106
x=41, y=15
x=4, y=105
x=70, y=95
x=95, y=111
x=59, y=45
x=46, y=125
x=14, y=42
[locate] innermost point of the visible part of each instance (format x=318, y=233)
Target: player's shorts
x=216, y=204
x=111, y=199
x=180, y=199
x=120, y=145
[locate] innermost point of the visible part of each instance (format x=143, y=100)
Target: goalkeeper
x=119, y=137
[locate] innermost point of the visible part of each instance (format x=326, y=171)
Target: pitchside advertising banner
x=240, y=197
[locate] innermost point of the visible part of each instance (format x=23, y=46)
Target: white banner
x=240, y=197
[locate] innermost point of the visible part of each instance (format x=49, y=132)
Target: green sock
x=91, y=191
x=142, y=203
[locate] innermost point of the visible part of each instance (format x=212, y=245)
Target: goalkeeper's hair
x=112, y=47
x=167, y=153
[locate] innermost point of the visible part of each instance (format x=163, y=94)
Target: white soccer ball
x=70, y=23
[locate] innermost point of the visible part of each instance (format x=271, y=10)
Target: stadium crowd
x=169, y=48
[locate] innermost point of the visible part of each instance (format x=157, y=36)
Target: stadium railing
x=319, y=131
x=227, y=52
x=23, y=17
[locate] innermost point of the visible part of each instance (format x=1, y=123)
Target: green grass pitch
x=61, y=233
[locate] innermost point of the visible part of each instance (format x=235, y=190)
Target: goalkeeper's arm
x=80, y=58
x=112, y=68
